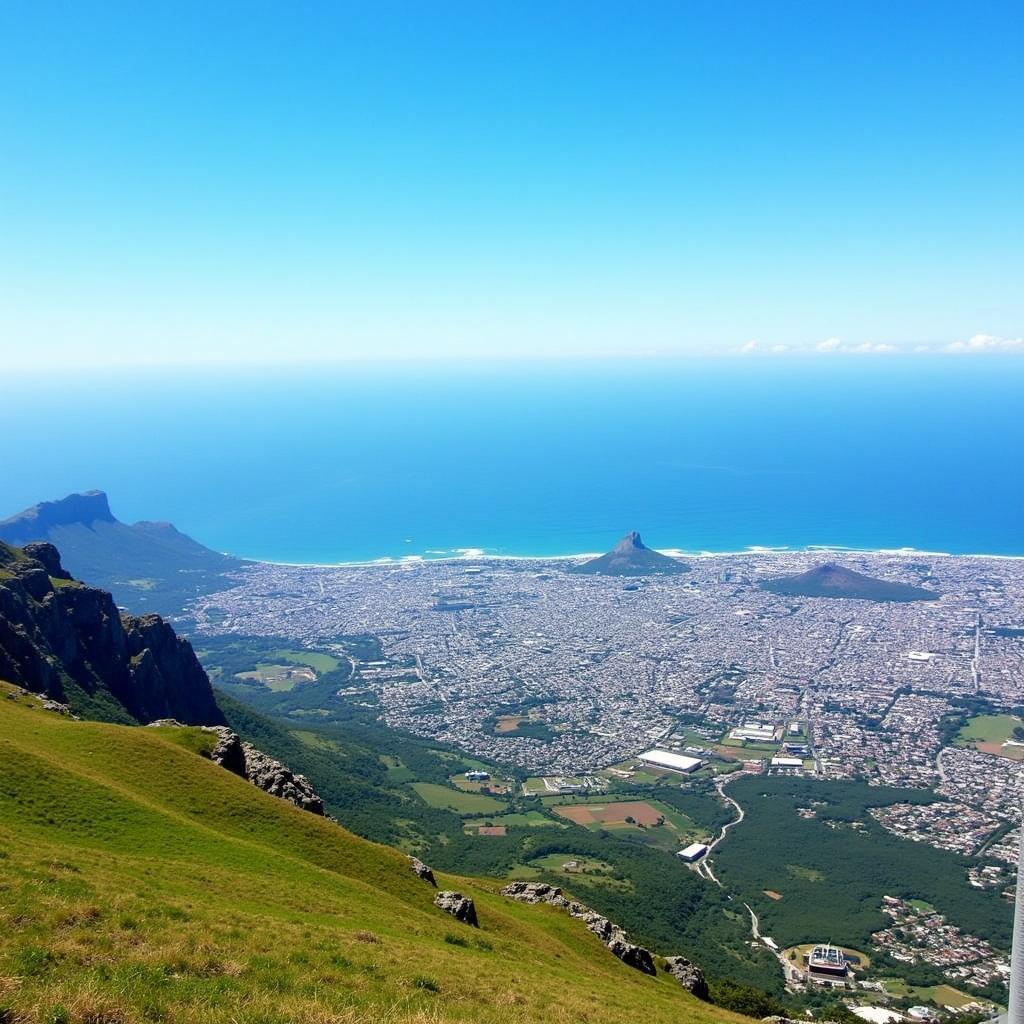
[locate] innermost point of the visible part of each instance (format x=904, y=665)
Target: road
x=704, y=868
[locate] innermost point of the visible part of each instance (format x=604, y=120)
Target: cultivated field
x=609, y=815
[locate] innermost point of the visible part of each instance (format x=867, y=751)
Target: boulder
x=229, y=752
x=535, y=892
x=243, y=759
x=631, y=954
x=420, y=870
x=688, y=974
x=49, y=557
x=614, y=938
x=460, y=907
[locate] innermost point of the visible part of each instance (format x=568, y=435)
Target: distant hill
x=146, y=566
x=631, y=557
x=68, y=641
x=831, y=580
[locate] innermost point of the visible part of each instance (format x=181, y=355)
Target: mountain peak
x=631, y=542
x=81, y=509
x=833, y=580
x=631, y=557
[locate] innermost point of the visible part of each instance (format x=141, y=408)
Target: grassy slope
x=139, y=881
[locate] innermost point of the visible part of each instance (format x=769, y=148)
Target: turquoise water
x=372, y=462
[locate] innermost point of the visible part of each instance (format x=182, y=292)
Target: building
x=827, y=961
x=478, y=776
x=756, y=732
x=673, y=762
x=693, y=852
x=787, y=762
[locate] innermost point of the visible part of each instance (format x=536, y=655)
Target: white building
x=673, y=762
x=693, y=852
x=787, y=762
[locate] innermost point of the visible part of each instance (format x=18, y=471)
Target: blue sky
x=267, y=182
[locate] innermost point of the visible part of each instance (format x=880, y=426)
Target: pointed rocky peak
x=631, y=557
x=631, y=542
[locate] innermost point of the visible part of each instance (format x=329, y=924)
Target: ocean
x=367, y=462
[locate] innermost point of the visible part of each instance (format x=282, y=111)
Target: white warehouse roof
x=693, y=851
x=666, y=759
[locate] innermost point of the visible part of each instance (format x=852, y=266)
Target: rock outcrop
x=614, y=937
x=688, y=974
x=244, y=760
x=43, y=702
x=420, y=870
x=460, y=907
x=68, y=641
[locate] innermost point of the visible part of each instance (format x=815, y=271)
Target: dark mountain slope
x=831, y=580
x=67, y=640
x=146, y=566
x=631, y=557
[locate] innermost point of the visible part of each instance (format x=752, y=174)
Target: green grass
x=456, y=799
x=529, y=819
x=318, y=662
x=140, y=882
x=940, y=995
x=988, y=729
x=279, y=678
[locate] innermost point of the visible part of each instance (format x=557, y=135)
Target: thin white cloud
x=981, y=343
x=978, y=344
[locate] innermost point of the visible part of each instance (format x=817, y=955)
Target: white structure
x=754, y=731
x=693, y=852
x=1015, y=1011
x=787, y=762
x=673, y=762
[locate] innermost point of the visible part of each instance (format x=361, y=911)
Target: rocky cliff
x=69, y=641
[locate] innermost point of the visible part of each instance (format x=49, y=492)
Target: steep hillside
x=142, y=882
x=146, y=566
x=836, y=581
x=67, y=640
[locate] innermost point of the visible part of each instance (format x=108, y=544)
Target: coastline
x=472, y=555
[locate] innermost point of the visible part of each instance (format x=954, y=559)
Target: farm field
x=531, y=819
x=456, y=800
x=595, y=815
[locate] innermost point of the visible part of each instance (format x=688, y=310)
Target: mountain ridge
x=147, y=566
